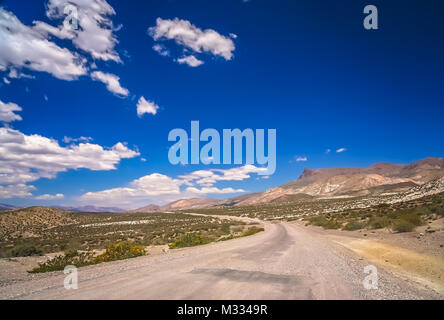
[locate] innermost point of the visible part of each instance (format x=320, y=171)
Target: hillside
x=183, y=204
x=378, y=179
x=29, y=221
x=91, y=209
x=4, y=206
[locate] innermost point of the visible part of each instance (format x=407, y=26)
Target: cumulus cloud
x=144, y=106
x=213, y=190
x=7, y=112
x=49, y=30
x=209, y=177
x=33, y=47
x=80, y=139
x=19, y=190
x=192, y=61
x=139, y=191
x=95, y=28
x=111, y=81
x=189, y=36
x=159, y=188
x=27, y=158
x=25, y=47
x=341, y=150
x=50, y=196
x=160, y=49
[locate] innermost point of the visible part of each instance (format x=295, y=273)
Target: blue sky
x=308, y=69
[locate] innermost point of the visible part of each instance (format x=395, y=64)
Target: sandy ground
x=287, y=261
x=417, y=255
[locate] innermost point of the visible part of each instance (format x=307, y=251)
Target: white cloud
x=159, y=188
x=95, y=33
x=19, y=190
x=7, y=112
x=209, y=177
x=47, y=30
x=213, y=190
x=193, y=38
x=144, y=106
x=111, y=81
x=24, y=47
x=299, y=159
x=160, y=49
x=327, y=151
x=27, y=158
x=50, y=196
x=341, y=150
x=192, y=61
x=14, y=74
x=139, y=192
x=80, y=139
x=5, y=80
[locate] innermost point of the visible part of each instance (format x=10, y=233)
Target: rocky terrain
x=30, y=221
x=377, y=180
x=380, y=183
x=4, y=206
x=183, y=204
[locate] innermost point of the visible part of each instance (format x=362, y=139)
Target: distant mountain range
x=193, y=203
x=4, y=206
x=91, y=209
x=72, y=209
x=378, y=179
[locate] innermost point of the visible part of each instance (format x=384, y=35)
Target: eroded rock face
x=380, y=178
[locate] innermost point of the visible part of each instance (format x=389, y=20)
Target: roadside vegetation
x=398, y=217
x=305, y=208
x=119, y=251
x=193, y=239
x=85, y=232
x=189, y=240
x=345, y=214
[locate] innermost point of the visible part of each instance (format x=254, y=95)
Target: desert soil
x=287, y=261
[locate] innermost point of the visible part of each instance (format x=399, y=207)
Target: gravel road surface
x=287, y=261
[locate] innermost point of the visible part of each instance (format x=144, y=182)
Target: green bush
x=326, y=223
x=251, y=231
x=354, y=225
x=402, y=225
x=26, y=251
x=412, y=218
x=60, y=262
x=120, y=251
x=378, y=222
x=189, y=240
x=231, y=236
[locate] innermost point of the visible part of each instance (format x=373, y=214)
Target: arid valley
x=309, y=239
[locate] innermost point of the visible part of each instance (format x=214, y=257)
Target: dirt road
x=287, y=261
